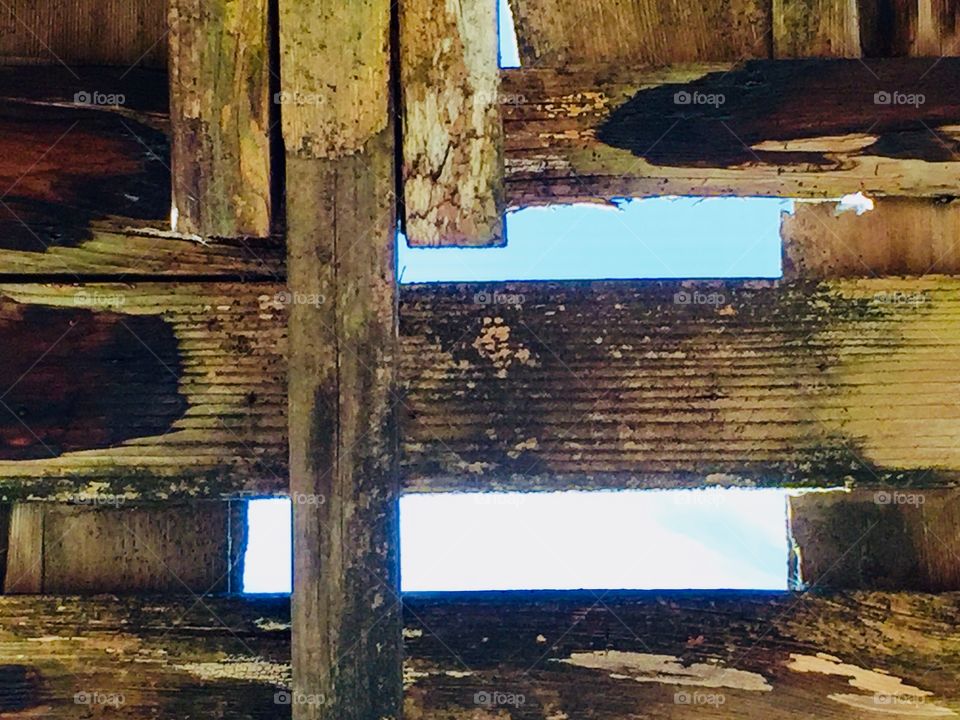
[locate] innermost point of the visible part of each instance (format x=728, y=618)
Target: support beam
x=797, y=128
x=452, y=131
x=938, y=28
x=816, y=28
x=607, y=655
x=341, y=235
x=220, y=117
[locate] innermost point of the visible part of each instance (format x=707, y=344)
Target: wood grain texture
x=109, y=547
x=882, y=539
x=343, y=434
x=558, y=33
x=595, y=135
x=220, y=116
x=665, y=384
x=452, y=131
x=816, y=28
x=900, y=236
x=334, y=70
x=605, y=655
x=938, y=28
x=124, y=33
x=144, y=390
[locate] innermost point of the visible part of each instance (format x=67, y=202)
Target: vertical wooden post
x=220, y=117
x=341, y=224
x=452, y=132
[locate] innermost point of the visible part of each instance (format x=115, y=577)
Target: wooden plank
x=879, y=539
x=106, y=546
x=666, y=384
x=219, y=59
x=124, y=33
x=607, y=655
x=816, y=28
x=938, y=28
x=557, y=33
x=341, y=244
x=452, y=131
x=900, y=236
x=147, y=390
x=595, y=135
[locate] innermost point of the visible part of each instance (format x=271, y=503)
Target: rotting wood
x=937, y=29
x=149, y=390
x=341, y=246
x=607, y=654
x=220, y=117
x=786, y=128
x=879, y=539
x=110, y=547
x=900, y=236
x=556, y=33
x=125, y=33
x=660, y=384
x=452, y=131
x=816, y=28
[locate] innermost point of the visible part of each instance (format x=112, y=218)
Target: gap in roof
x=507, y=31
x=665, y=237
x=631, y=539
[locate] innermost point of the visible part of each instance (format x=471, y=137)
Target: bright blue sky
x=635, y=539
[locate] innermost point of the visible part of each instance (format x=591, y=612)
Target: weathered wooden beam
x=452, y=132
x=877, y=539
x=107, y=546
x=798, y=128
x=220, y=61
x=900, y=236
x=149, y=390
x=607, y=655
x=816, y=28
x=341, y=240
x=84, y=32
x=938, y=28
x=556, y=33
x=576, y=385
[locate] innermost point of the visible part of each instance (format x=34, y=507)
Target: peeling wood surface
x=557, y=33
x=882, y=539
x=799, y=128
x=816, y=28
x=607, y=655
x=144, y=390
x=452, y=131
x=900, y=236
x=660, y=384
x=334, y=70
x=124, y=33
x=108, y=547
x=220, y=116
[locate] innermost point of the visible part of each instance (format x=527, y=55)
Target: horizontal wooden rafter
x=615, y=655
